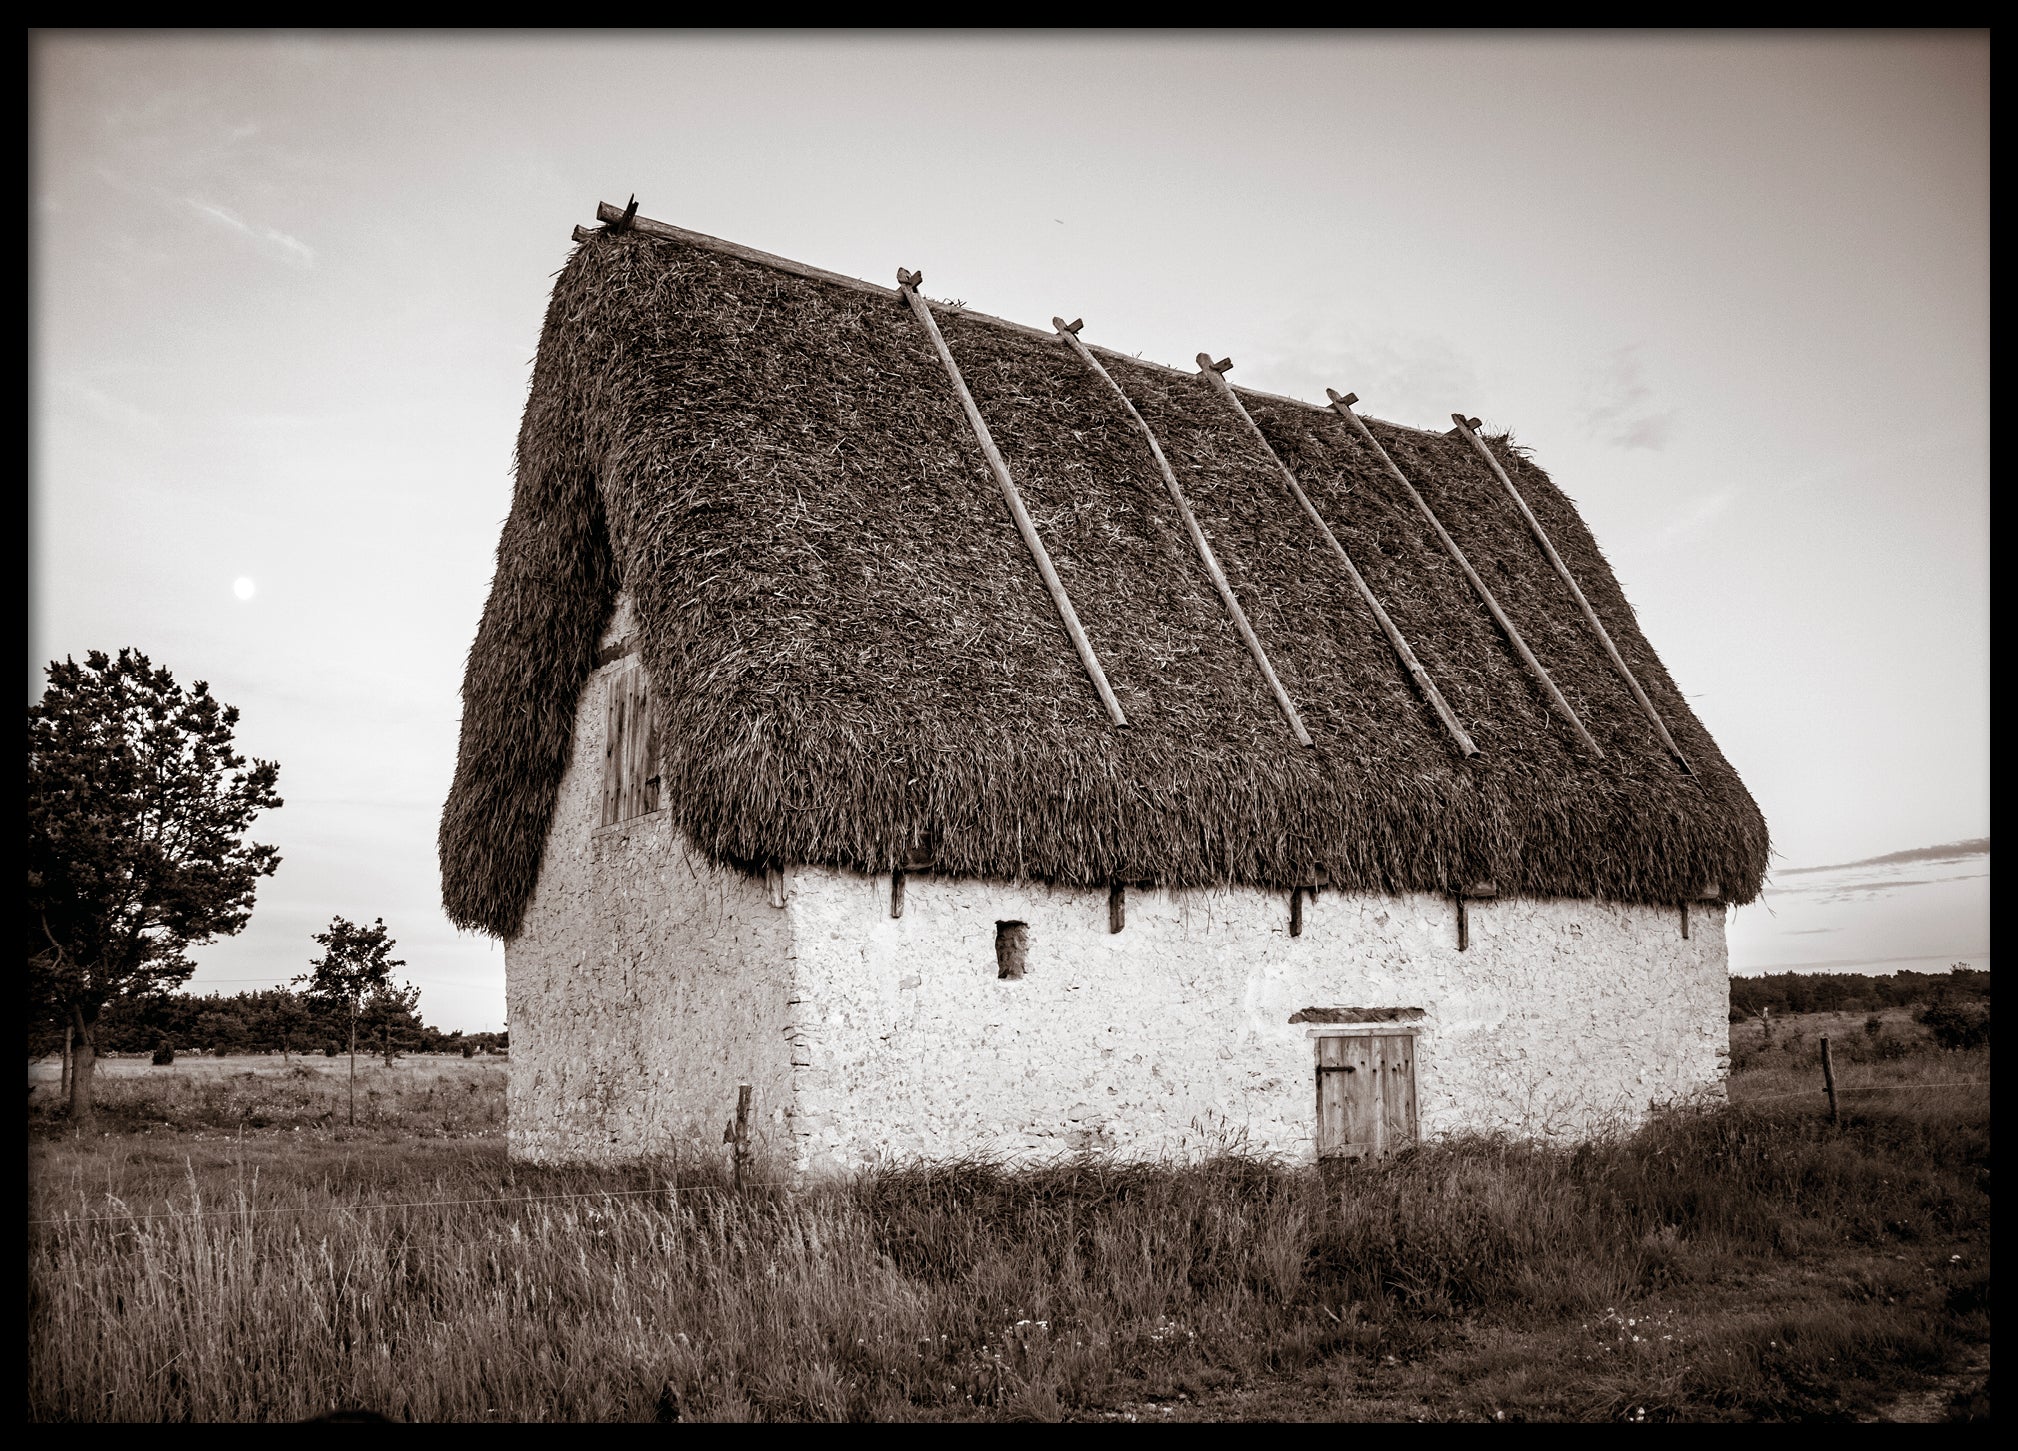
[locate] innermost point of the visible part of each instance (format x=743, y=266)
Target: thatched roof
x=855, y=658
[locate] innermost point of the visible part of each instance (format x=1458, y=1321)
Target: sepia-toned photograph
x=1123, y=727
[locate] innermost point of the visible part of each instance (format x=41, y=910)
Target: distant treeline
x=1852, y=992
x=274, y=1020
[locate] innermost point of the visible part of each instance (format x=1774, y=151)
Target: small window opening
x=1012, y=949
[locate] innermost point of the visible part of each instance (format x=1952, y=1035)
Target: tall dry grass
x=275, y=1285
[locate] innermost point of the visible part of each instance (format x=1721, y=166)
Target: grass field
x=225, y=1248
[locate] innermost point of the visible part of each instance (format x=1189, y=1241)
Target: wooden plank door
x=1365, y=1094
x=1397, y=1091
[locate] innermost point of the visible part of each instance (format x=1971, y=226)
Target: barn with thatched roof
x=974, y=740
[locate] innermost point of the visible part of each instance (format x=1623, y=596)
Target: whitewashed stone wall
x=647, y=984
x=1173, y=1037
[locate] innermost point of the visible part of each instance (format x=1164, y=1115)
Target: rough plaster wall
x=645, y=986
x=1172, y=1037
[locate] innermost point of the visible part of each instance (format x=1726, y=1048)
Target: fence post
x=742, y=1135
x=1829, y=1079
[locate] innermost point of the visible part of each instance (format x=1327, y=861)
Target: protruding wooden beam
x=1342, y=406
x=1475, y=892
x=1070, y=333
x=1216, y=372
x=1710, y=894
x=907, y=286
x=1117, y=906
x=1563, y=572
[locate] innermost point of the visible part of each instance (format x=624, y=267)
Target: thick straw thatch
x=855, y=656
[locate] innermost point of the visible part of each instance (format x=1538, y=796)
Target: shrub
x=1873, y=1026
x=1956, y=1025
x=330, y=1050
x=469, y=1050
x=164, y=1054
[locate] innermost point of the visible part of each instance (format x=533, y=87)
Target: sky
x=1733, y=291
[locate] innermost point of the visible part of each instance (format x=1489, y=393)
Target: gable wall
x=646, y=985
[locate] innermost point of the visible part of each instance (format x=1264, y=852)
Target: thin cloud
x=291, y=248
x=1947, y=851
x=1618, y=406
x=1869, y=891
x=1695, y=521
x=1402, y=377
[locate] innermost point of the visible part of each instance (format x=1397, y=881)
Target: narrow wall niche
x=1012, y=949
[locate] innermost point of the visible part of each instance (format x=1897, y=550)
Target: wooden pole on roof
x=1216, y=372
x=1069, y=331
x=1342, y=406
x=1464, y=426
x=907, y=287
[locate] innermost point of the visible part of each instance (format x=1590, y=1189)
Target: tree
x=137, y=812
x=287, y=1021
x=391, y=1016
x=356, y=964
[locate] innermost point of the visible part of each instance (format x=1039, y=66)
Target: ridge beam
x=608, y=213
x=1216, y=372
x=1342, y=406
x=1563, y=572
x=1070, y=333
x=907, y=286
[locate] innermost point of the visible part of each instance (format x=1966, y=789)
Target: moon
x=243, y=587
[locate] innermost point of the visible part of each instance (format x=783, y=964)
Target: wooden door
x=1365, y=1094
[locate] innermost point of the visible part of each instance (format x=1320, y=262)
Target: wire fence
x=1862, y=1088
x=246, y=1212
x=673, y=1191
